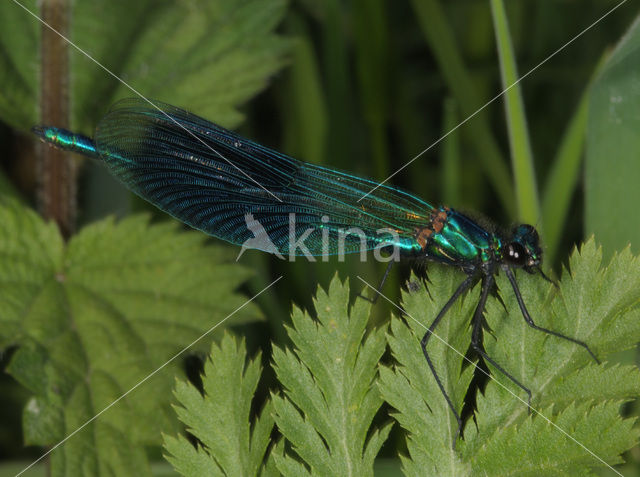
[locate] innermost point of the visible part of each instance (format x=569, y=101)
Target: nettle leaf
x=329, y=397
x=577, y=426
x=220, y=419
x=93, y=317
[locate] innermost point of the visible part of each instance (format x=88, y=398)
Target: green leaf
x=7, y=188
x=305, y=120
x=521, y=155
x=330, y=399
x=204, y=56
x=409, y=386
x=371, y=49
x=441, y=39
x=220, y=419
x=598, y=428
x=339, y=90
x=563, y=178
x=576, y=425
x=451, y=159
x=612, y=171
x=19, y=43
x=93, y=317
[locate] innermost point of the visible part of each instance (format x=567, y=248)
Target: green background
x=364, y=86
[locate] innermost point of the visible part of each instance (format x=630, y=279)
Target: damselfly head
x=523, y=250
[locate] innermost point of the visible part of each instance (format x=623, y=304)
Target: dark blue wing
x=235, y=189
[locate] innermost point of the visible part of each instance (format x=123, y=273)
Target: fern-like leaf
x=329, y=397
x=220, y=418
x=577, y=425
x=409, y=386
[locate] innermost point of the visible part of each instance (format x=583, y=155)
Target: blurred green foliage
x=612, y=170
x=93, y=317
x=367, y=86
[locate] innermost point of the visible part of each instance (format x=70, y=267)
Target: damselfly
x=220, y=183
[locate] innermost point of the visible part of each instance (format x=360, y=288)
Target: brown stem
x=56, y=169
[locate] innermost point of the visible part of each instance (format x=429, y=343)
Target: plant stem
x=56, y=192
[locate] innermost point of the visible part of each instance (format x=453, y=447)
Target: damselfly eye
x=524, y=247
